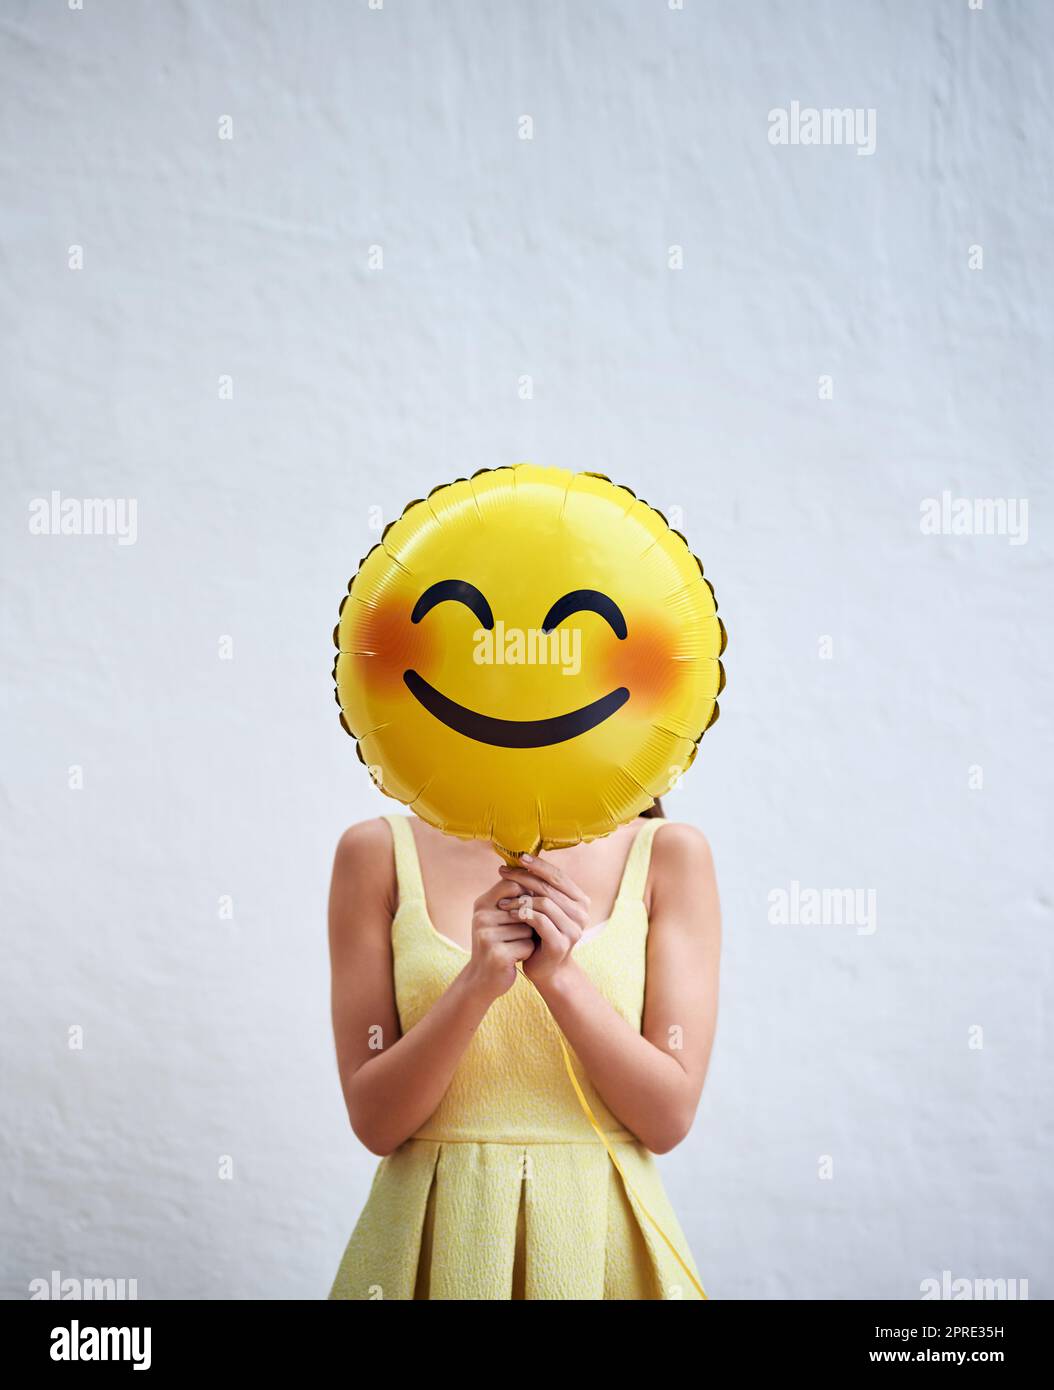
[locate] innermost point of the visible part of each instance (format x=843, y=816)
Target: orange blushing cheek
x=394, y=645
x=644, y=664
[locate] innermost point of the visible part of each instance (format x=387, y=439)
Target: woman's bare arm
x=652, y=1080
x=393, y=1083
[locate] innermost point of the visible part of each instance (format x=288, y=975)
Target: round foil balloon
x=529, y=656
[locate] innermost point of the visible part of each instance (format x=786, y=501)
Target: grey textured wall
x=847, y=330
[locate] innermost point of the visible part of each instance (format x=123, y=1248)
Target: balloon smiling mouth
x=513, y=733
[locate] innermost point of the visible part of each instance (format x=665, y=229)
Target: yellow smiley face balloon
x=529, y=656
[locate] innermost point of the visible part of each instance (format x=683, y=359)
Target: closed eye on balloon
x=457, y=590
x=586, y=600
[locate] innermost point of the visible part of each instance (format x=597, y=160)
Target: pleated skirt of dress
x=479, y=1220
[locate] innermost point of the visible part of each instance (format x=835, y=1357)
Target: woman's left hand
x=554, y=905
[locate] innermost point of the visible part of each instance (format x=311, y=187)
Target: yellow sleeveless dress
x=506, y=1191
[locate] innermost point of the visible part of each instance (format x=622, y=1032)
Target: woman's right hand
x=500, y=938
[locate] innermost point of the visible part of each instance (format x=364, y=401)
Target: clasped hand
x=536, y=913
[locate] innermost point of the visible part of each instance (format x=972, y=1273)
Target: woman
x=454, y=977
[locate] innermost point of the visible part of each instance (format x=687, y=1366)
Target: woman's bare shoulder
x=681, y=856
x=682, y=885
x=679, y=840
x=364, y=863
x=365, y=837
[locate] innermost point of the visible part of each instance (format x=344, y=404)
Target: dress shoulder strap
x=407, y=863
x=635, y=874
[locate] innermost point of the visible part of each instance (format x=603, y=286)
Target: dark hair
x=654, y=811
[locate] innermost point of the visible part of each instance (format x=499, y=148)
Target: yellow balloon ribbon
x=611, y=1152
